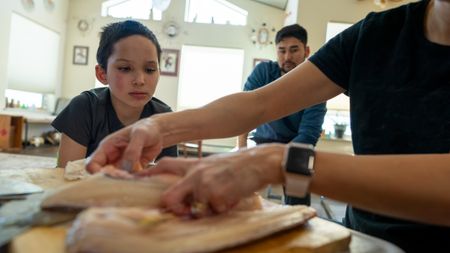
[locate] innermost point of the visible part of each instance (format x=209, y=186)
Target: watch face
x=300, y=159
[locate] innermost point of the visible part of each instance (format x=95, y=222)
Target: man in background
x=303, y=126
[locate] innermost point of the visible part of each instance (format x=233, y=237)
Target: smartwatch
x=298, y=165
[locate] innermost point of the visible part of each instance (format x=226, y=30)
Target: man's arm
x=311, y=123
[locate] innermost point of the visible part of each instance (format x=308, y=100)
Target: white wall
x=314, y=15
x=54, y=19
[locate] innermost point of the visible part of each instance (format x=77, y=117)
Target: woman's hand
x=140, y=142
x=216, y=183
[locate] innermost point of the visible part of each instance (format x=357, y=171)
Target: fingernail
x=151, y=164
x=87, y=160
x=126, y=165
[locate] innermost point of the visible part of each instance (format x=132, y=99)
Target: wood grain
x=317, y=236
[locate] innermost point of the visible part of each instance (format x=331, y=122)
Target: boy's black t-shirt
x=399, y=87
x=90, y=117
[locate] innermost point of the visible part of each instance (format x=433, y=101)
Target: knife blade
x=13, y=188
x=18, y=216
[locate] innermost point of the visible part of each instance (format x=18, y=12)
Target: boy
x=128, y=59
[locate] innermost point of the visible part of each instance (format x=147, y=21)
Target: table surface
x=18, y=162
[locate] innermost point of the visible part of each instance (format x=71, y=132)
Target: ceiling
x=279, y=4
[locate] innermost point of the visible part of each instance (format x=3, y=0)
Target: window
x=138, y=9
x=208, y=73
x=214, y=12
x=334, y=28
x=32, y=67
x=98, y=84
x=339, y=106
x=340, y=102
x=23, y=99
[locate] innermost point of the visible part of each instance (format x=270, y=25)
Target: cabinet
x=11, y=128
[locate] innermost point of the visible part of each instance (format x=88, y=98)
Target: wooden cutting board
x=317, y=236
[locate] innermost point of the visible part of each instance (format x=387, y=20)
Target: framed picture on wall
x=169, y=62
x=256, y=61
x=80, y=55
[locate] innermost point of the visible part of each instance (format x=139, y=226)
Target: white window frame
x=208, y=73
x=340, y=102
x=207, y=8
x=141, y=6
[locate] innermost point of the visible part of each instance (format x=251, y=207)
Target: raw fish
x=122, y=190
x=102, y=190
x=111, y=230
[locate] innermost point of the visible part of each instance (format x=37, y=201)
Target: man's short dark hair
x=116, y=31
x=295, y=31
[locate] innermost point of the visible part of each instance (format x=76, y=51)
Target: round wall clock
x=83, y=25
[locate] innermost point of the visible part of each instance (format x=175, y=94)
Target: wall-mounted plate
x=83, y=25
x=171, y=29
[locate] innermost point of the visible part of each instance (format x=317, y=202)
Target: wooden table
x=15, y=162
x=318, y=235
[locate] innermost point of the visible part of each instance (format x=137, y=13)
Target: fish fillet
x=102, y=190
x=111, y=230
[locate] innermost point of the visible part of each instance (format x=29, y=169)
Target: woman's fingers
x=200, y=192
x=170, y=165
x=216, y=183
x=108, y=152
x=133, y=150
x=177, y=198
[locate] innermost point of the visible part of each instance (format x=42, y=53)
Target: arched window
x=214, y=12
x=138, y=9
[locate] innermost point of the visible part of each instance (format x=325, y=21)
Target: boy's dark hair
x=295, y=31
x=116, y=31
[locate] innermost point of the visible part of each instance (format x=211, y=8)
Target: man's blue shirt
x=303, y=126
